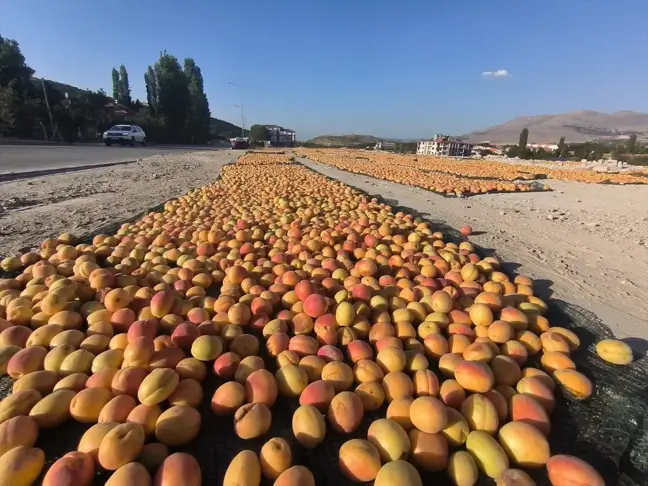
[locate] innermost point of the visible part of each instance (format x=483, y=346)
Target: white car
x=124, y=134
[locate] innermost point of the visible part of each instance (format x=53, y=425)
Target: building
x=444, y=145
x=385, y=146
x=280, y=136
x=549, y=147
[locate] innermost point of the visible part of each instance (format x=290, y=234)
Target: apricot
x=157, y=386
x=275, y=457
x=121, y=445
x=244, y=470
x=565, y=470
x=178, y=425
x=390, y=439
x=525, y=445
x=76, y=468
x=18, y=431
x=86, y=405
x=574, y=383
x=359, y=460
x=295, y=476
x=228, y=398
x=614, y=351
x=474, y=376
x=428, y=451
x=399, y=411
x=131, y=474
x=371, y=395
x=308, y=426
x=146, y=416
x=462, y=469
x=21, y=466
x=487, y=453
x=252, y=420
x=318, y=393
x=179, y=469
x=345, y=412
x=397, y=384
x=339, y=375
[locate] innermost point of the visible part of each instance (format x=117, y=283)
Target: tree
x=173, y=94
x=524, y=137
x=259, y=133
x=513, y=151
x=151, y=90
x=116, y=85
x=124, y=86
x=632, y=143
x=9, y=104
x=14, y=72
x=198, y=108
x=560, y=152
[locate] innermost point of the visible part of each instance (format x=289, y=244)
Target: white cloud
x=499, y=74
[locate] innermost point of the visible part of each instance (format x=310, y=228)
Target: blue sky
x=403, y=69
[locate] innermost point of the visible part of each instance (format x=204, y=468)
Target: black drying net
x=609, y=430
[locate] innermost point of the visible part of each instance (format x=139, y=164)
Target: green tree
x=560, y=152
x=116, y=92
x=522, y=144
x=198, y=108
x=259, y=133
x=173, y=94
x=14, y=72
x=151, y=89
x=124, y=86
x=513, y=151
x=632, y=143
x=9, y=105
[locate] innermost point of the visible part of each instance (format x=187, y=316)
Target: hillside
x=580, y=126
x=220, y=128
x=343, y=140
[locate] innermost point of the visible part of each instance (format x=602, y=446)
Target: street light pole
x=242, y=109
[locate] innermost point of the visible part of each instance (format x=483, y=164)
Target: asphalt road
x=28, y=158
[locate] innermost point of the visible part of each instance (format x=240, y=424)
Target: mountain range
x=579, y=126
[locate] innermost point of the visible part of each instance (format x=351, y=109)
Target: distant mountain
x=344, y=140
x=579, y=126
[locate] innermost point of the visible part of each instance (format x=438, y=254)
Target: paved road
x=27, y=158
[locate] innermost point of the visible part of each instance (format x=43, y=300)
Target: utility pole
x=241, y=107
x=49, y=109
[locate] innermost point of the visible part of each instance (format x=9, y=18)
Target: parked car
x=124, y=134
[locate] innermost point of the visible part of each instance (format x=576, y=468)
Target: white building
x=280, y=136
x=443, y=145
x=545, y=146
x=385, y=146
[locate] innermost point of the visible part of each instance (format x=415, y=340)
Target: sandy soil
x=587, y=244
x=93, y=200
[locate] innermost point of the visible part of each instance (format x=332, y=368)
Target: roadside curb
x=12, y=176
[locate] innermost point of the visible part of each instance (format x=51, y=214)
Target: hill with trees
x=176, y=110
x=343, y=141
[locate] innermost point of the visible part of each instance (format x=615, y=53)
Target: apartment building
x=280, y=136
x=444, y=145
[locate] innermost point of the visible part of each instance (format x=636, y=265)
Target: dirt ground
x=93, y=200
x=587, y=244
